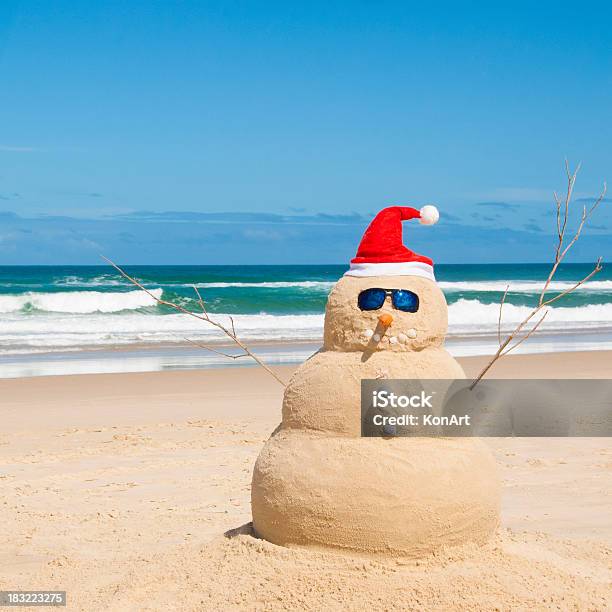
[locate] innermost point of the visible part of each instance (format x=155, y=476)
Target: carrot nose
x=385, y=319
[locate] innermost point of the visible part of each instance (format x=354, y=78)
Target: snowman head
x=388, y=300
x=412, y=316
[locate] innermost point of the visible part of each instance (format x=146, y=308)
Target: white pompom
x=429, y=214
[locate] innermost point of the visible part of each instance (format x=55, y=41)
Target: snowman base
x=401, y=497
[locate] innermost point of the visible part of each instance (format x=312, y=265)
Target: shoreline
x=158, y=358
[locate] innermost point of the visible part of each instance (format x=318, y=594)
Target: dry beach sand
x=119, y=489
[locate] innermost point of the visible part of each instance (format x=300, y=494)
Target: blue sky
x=142, y=130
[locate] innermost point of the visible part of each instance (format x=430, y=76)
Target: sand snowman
x=317, y=483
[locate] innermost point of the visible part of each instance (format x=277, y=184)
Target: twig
x=598, y=268
x=499, y=320
x=213, y=350
x=561, y=251
x=526, y=335
x=202, y=317
x=200, y=300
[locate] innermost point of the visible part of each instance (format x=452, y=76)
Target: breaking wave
x=473, y=316
x=118, y=321
x=78, y=302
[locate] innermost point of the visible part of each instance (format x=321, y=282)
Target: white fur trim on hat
x=429, y=214
x=407, y=268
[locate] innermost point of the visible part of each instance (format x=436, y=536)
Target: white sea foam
x=474, y=316
x=521, y=286
x=62, y=330
x=518, y=286
x=68, y=330
x=269, y=285
x=105, y=280
x=78, y=302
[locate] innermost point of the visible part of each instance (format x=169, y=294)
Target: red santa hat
x=382, y=252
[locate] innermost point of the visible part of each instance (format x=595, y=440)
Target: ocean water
x=64, y=310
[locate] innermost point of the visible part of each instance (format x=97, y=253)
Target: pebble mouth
x=380, y=334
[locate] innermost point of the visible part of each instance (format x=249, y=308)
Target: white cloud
x=16, y=149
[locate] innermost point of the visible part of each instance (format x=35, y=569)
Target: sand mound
x=405, y=497
x=241, y=572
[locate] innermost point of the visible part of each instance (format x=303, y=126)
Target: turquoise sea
x=65, y=312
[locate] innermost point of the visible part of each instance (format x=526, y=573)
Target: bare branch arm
x=506, y=345
x=202, y=317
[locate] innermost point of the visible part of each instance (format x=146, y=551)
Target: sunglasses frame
x=391, y=293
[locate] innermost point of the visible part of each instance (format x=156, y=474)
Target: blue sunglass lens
x=371, y=299
x=405, y=300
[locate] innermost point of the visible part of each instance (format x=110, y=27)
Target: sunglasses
x=402, y=299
